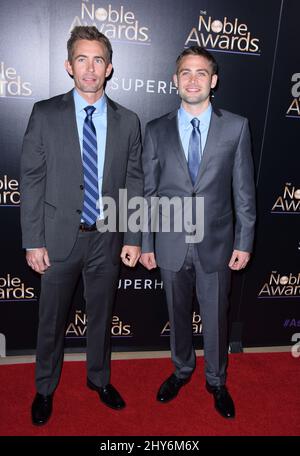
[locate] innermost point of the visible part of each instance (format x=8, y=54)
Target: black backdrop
x=256, y=45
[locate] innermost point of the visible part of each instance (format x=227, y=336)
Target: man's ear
x=214, y=80
x=175, y=79
x=68, y=67
x=108, y=70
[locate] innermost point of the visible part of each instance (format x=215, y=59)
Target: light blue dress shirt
x=100, y=122
x=185, y=127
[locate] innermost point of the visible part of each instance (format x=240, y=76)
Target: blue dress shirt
x=185, y=127
x=100, y=122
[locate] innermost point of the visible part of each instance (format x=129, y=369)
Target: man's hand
x=38, y=259
x=239, y=260
x=148, y=260
x=130, y=255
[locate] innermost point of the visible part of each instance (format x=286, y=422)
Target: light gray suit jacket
x=225, y=180
x=52, y=174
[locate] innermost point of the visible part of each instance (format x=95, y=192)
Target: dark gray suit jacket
x=225, y=180
x=52, y=174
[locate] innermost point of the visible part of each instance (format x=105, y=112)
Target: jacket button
x=78, y=211
x=81, y=187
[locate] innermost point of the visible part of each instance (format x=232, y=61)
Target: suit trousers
x=212, y=294
x=91, y=259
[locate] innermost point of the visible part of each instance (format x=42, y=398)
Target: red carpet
x=265, y=388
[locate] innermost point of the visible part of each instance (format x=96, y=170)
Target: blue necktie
x=195, y=150
x=90, y=169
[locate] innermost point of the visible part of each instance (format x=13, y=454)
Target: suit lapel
x=112, y=138
x=214, y=133
x=71, y=139
x=70, y=133
x=174, y=141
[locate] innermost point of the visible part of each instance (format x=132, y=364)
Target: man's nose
x=91, y=66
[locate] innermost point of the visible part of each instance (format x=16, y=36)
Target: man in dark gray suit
x=199, y=151
x=78, y=148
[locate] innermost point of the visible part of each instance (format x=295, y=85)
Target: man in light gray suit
x=199, y=151
x=78, y=148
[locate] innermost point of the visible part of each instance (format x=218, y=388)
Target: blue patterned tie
x=90, y=169
x=195, y=150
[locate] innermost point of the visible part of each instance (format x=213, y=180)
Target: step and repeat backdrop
x=256, y=46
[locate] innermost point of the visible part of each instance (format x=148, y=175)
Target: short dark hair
x=198, y=50
x=86, y=32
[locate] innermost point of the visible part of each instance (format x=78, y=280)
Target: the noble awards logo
x=9, y=192
x=281, y=286
x=196, y=325
x=78, y=327
x=288, y=202
x=294, y=107
x=13, y=289
x=11, y=84
x=117, y=24
x=224, y=35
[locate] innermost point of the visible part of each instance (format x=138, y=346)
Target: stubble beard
x=193, y=99
x=88, y=88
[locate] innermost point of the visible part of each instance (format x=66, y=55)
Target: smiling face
x=89, y=68
x=194, y=80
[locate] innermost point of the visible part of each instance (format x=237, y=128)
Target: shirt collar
x=185, y=117
x=81, y=103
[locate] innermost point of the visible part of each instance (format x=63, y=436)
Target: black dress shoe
x=108, y=395
x=41, y=409
x=170, y=388
x=223, y=401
